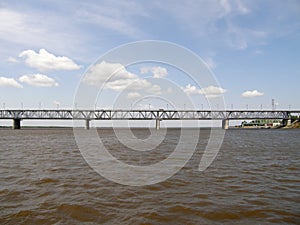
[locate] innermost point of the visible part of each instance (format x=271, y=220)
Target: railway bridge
x=158, y=115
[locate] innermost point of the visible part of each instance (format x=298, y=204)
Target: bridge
x=158, y=115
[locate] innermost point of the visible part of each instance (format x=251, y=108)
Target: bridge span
x=158, y=115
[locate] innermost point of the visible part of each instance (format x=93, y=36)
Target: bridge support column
x=157, y=124
x=87, y=124
x=225, y=124
x=287, y=122
x=16, y=124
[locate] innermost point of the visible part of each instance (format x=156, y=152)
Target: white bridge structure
x=158, y=115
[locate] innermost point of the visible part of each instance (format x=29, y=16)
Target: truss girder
x=146, y=114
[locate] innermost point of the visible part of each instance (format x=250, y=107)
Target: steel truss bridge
x=158, y=115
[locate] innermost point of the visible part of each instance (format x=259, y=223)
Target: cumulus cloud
x=209, y=92
x=45, y=61
x=114, y=76
x=191, y=90
x=252, y=94
x=38, y=80
x=133, y=95
x=157, y=71
x=9, y=82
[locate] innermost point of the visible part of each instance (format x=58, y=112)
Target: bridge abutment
x=16, y=124
x=287, y=122
x=225, y=124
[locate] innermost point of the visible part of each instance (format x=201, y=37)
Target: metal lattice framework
x=147, y=114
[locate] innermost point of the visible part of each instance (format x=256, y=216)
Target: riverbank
x=294, y=125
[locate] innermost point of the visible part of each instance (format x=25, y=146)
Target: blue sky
x=252, y=47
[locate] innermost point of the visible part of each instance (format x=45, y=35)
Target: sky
x=48, y=48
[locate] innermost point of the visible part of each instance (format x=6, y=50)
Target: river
x=255, y=179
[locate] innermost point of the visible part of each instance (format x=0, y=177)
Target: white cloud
x=252, y=94
x=212, y=91
x=133, y=95
x=117, y=16
x=13, y=25
x=103, y=72
x=157, y=71
x=19, y=29
x=9, y=82
x=187, y=12
x=241, y=8
x=240, y=37
x=233, y=7
x=38, y=80
x=218, y=22
x=45, y=61
x=209, y=92
x=114, y=76
x=191, y=90
x=12, y=59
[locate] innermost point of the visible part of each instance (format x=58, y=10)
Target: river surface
x=255, y=179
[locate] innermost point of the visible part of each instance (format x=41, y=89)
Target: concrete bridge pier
x=87, y=124
x=16, y=124
x=287, y=122
x=225, y=124
x=157, y=124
